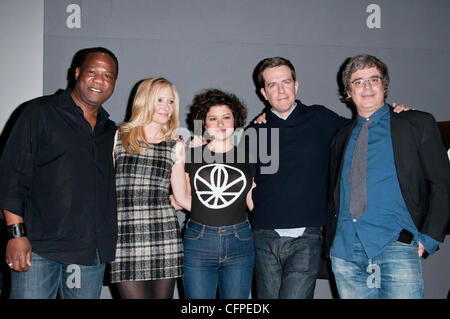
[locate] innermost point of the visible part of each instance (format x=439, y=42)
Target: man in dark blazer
x=385, y=214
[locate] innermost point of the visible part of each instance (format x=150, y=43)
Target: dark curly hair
x=203, y=101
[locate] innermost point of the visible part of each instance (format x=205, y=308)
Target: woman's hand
x=197, y=141
x=180, y=152
x=174, y=203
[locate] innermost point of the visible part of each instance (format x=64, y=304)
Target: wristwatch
x=16, y=230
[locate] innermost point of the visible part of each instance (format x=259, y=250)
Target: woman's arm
x=249, y=197
x=114, y=147
x=180, y=180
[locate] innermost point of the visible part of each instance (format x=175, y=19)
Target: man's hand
x=421, y=249
x=398, y=108
x=261, y=119
x=18, y=254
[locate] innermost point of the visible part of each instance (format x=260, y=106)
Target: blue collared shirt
x=386, y=213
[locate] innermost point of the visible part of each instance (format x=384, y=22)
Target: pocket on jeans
x=244, y=234
x=412, y=244
x=192, y=234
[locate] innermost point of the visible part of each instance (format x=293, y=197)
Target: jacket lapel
x=341, y=146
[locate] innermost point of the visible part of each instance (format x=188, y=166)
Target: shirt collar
x=376, y=116
x=101, y=115
x=295, y=105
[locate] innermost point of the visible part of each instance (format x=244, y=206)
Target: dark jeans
x=218, y=257
x=286, y=267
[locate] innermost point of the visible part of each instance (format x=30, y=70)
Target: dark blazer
x=423, y=171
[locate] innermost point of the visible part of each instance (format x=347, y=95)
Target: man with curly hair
x=389, y=199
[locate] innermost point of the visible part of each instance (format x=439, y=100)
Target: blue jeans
x=394, y=274
x=287, y=267
x=45, y=278
x=218, y=257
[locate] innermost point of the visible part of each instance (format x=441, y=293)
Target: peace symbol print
x=221, y=187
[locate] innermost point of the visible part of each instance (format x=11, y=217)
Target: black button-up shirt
x=58, y=175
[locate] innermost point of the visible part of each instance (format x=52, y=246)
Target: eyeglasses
x=373, y=81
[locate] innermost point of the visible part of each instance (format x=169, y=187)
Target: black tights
x=149, y=289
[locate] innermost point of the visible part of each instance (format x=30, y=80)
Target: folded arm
x=180, y=180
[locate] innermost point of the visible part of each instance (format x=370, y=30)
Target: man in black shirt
x=58, y=188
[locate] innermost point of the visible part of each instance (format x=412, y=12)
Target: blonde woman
x=149, y=255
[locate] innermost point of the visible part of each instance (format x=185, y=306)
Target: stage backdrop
x=199, y=44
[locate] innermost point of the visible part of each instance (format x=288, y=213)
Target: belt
x=405, y=237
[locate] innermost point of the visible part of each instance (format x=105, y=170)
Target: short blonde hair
x=147, y=94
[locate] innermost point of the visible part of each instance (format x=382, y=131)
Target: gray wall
x=200, y=44
x=21, y=56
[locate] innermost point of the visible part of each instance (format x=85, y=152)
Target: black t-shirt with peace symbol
x=219, y=185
